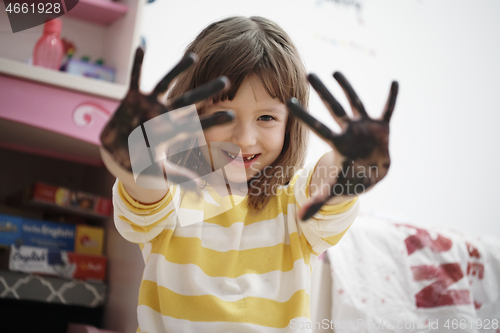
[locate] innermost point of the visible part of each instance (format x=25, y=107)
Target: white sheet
x=391, y=277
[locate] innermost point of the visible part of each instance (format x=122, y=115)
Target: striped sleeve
x=327, y=226
x=138, y=222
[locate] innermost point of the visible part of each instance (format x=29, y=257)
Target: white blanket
x=394, y=277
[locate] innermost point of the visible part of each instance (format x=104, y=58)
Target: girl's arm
x=360, y=156
x=139, y=131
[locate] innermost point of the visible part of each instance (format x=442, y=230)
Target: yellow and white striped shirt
x=235, y=272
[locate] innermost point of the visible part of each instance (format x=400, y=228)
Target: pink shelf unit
x=98, y=11
x=50, y=121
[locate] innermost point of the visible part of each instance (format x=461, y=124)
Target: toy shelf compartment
x=63, y=80
x=99, y=29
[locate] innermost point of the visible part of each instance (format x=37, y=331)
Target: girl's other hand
x=363, y=145
x=137, y=108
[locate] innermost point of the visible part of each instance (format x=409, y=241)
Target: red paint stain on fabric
x=475, y=269
x=423, y=239
x=473, y=252
x=436, y=294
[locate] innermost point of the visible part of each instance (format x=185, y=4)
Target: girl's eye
x=267, y=118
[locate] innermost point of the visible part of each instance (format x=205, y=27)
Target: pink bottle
x=49, y=49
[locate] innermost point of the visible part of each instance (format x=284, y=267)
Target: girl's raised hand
x=363, y=144
x=137, y=109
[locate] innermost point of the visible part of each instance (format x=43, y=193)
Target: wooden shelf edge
x=52, y=154
x=33, y=203
x=37, y=141
x=100, y=88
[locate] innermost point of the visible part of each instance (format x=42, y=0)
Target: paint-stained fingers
x=136, y=69
x=357, y=107
x=179, y=175
x=192, y=125
x=320, y=195
x=201, y=93
x=298, y=111
x=330, y=102
x=312, y=207
x=391, y=102
x=217, y=118
x=185, y=63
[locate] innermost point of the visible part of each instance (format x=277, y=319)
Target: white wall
x=444, y=53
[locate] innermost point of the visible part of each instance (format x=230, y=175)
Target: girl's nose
x=244, y=135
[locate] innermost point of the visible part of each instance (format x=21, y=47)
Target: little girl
x=246, y=267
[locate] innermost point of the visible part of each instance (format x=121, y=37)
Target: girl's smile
x=241, y=160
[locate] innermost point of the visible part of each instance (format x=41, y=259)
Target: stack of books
x=57, y=249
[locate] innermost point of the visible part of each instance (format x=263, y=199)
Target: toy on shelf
x=69, y=51
x=49, y=49
x=65, y=199
x=83, y=67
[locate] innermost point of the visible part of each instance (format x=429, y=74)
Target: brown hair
x=238, y=47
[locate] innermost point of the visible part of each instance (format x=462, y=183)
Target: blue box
x=21, y=231
x=83, y=68
x=10, y=229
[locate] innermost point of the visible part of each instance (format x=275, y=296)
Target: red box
x=80, y=201
x=46, y=193
x=88, y=267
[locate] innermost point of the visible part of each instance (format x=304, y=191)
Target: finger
x=327, y=192
x=186, y=128
x=321, y=194
x=179, y=175
x=308, y=211
x=357, y=107
x=314, y=206
x=330, y=102
x=184, y=64
x=209, y=101
x=186, y=178
x=202, y=104
x=192, y=125
x=202, y=92
x=298, y=111
x=391, y=102
x=136, y=69
x=218, y=118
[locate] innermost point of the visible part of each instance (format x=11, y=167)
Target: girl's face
x=258, y=129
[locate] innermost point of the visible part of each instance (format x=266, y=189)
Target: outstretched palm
x=363, y=144
x=136, y=109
